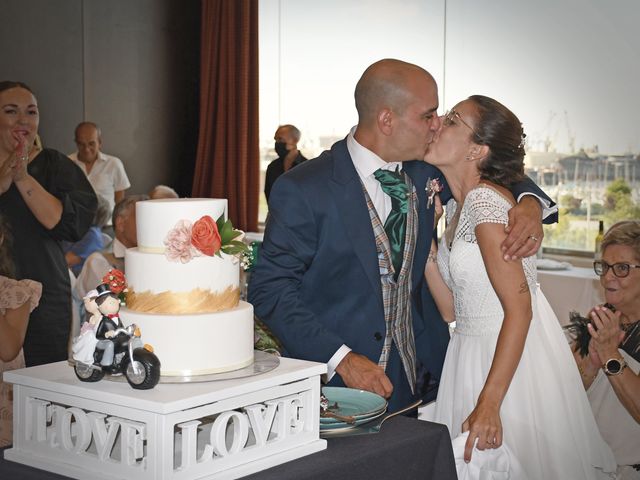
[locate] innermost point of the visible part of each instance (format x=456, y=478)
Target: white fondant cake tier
x=198, y=344
x=155, y=218
x=153, y=273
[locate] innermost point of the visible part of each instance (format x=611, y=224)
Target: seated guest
x=92, y=241
x=610, y=367
x=17, y=299
x=99, y=263
x=45, y=199
x=162, y=191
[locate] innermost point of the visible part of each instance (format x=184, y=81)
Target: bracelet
x=584, y=375
x=432, y=256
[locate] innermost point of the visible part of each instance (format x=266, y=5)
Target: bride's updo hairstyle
x=499, y=129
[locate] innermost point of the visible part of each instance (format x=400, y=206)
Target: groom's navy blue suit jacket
x=317, y=280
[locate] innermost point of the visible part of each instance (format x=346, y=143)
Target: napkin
x=550, y=264
x=491, y=464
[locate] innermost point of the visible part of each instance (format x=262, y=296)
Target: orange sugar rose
x=205, y=236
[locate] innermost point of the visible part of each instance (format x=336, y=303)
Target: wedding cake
x=184, y=292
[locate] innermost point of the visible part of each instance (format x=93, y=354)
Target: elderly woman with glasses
x=610, y=369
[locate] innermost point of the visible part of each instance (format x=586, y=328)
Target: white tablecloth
x=576, y=289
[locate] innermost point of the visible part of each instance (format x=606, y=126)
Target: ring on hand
x=533, y=237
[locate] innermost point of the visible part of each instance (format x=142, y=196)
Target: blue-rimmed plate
x=339, y=426
x=360, y=404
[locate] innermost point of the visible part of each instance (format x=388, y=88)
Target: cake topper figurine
x=84, y=345
x=106, y=346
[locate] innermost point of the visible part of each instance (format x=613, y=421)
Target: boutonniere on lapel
x=433, y=188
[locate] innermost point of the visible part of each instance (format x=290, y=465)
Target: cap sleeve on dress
x=485, y=205
x=14, y=293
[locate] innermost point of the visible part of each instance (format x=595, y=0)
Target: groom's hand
x=357, y=371
x=524, y=232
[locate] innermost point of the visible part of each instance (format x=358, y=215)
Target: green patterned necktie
x=393, y=184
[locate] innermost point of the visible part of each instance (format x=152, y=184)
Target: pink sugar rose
x=205, y=236
x=178, y=243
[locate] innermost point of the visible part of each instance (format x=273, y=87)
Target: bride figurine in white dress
x=509, y=378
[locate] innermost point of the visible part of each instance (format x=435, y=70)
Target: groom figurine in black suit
x=340, y=278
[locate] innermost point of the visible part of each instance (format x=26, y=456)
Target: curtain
x=227, y=160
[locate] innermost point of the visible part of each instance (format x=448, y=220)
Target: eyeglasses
x=620, y=270
x=451, y=116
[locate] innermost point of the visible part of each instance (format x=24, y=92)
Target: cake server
x=370, y=427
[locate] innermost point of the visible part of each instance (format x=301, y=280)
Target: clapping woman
x=46, y=199
x=610, y=371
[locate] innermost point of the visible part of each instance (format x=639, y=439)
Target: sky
x=570, y=69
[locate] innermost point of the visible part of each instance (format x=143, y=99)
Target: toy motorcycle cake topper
x=105, y=345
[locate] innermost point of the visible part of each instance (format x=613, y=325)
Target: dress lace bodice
x=477, y=308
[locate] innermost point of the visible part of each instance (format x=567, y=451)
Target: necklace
x=452, y=225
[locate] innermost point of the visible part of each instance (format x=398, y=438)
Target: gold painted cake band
x=195, y=301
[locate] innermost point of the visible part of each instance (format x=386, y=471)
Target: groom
x=340, y=278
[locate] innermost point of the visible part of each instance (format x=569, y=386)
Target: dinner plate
x=339, y=426
x=359, y=404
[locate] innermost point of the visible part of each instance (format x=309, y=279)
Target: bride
x=509, y=379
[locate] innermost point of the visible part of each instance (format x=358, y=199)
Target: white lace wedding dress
x=546, y=418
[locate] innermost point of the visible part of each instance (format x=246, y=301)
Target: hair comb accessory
x=522, y=140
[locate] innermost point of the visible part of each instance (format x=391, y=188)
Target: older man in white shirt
x=106, y=173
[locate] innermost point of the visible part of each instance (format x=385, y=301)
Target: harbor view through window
x=569, y=70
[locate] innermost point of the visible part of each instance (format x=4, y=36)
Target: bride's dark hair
x=498, y=128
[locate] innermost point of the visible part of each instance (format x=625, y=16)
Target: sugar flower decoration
x=204, y=237
x=178, y=243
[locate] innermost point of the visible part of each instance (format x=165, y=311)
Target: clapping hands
x=14, y=167
x=606, y=334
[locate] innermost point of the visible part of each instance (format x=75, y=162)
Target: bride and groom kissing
x=351, y=275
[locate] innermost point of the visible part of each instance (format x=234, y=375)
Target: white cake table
x=211, y=430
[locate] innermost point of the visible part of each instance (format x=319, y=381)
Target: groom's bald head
x=388, y=83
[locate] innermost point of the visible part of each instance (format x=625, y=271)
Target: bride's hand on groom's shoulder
x=485, y=426
x=357, y=371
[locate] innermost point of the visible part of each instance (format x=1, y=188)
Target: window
x=569, y=70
